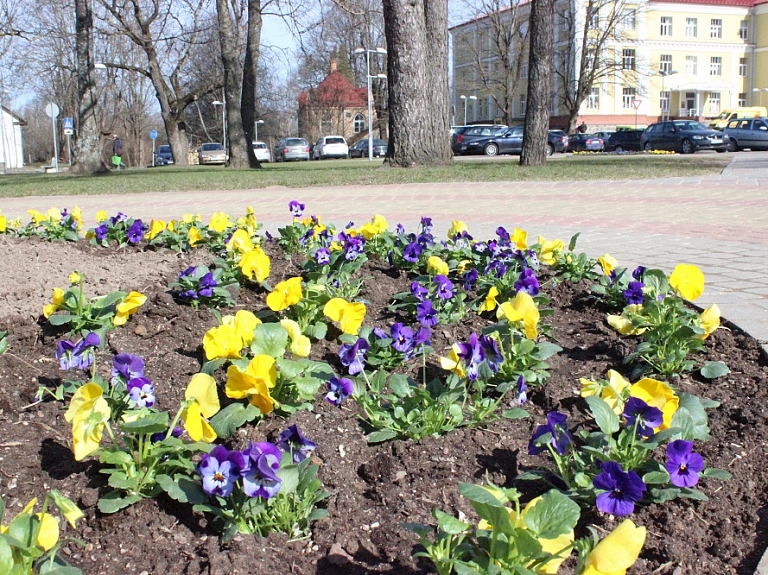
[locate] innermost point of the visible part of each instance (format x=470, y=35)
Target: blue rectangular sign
x=67, y=123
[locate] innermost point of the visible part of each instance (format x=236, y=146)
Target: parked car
x=585, y=143
x=749, y=133
x=604, y=135
x=684, y=136
x=261, y=150
x=360, y=148
x=330, y=147
x=212, y=153
x=163, y=155
x=289, y=149
x=510, y=141
x=465, y=134
x=624, y=141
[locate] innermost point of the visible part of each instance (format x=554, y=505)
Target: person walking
x=117, y=153
x=582, y=127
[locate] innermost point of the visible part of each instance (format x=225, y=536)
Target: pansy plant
x=54, y=225
x=199, y=285
x=120, y=230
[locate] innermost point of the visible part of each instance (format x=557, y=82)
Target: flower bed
x=374, y=488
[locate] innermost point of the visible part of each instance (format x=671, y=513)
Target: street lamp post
x=223, y=121
x=664, y=74
x=370, y=100
x=465, y=98
x=256, y=129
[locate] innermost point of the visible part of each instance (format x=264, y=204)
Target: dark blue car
x=510, y=141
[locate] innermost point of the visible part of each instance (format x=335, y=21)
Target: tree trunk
x=250, y=68
x=87, y=149
x=534, y=152
x=233, y=87
x=417, y=71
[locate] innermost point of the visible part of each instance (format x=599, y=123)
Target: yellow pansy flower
x=709, y=320
x=75, y=278
x=219, y=222
x=687, y=280
x=58, y=299
x=254, y=383
x=204, y=404
x=617, y=552
x=37, y=217
x=490, y=303
x=3, y=224
x=285, y=294
x=172, y=225
x=452, y=363
x=659, y=395
x=155, y=227
x=66, y=506
x=194, y=236
x=53, y=215
x=462, y=267
x=228, y=339
x=437, y=266
x=240, y=242
x=519, y=238
x=48, y=535
x=300, y=345
x=623, y=325
x=613, y=392
x=608, y=263
x=245, y=322
x=377, y=226
x=129, y=306
x=549, y=250
x=350, y=315
x=86, y=436
x=190, y=218
x=248, y=221
x=77, y=215
x=457, y=227
x=101, y=216
x=255, y=265
x=521, y=308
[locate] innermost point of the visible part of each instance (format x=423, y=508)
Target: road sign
x=636, y=103
x=153, y=134
x=68, y=131
x=67, y=123
x=52, y=110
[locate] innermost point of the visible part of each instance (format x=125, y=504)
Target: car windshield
x=295, y=142
x=689, y=126
x=259, y=146
x=212, y=147
x=163, y=149
x=334, y=140
x=379, y=143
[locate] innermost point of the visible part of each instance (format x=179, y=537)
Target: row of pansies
x=261, y=360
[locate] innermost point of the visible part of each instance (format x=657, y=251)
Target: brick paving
x=719, y=222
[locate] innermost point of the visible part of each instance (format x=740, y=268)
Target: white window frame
x=358, y=123
x=716, y=66
x=744, y=30
x=629, y=19
x=665, y=63
x=665, y=28
x=691, y=27
x=716, y=28
x=627, y=95
x=743, y=67
x=522, y=106
x=593, y=98
x=742, y=101
x=714, y=103
x=594, y=19
x=691, y=65
x=628, y=59
x=664, y=99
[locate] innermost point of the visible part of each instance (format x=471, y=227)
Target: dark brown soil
x=375, y=489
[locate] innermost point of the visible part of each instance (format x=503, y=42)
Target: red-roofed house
x=335, y=107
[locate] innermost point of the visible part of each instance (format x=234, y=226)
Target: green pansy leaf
x=317, y=330
x=554, y=515
x=113, y=502
x=693, y=418
x=514, y=413
x=545, y=350
x=290, y=476
x=714, y=369
x=269, y=339
x=60, y=319
x=714, y=473
x=399, y=384
x=381, y=435
x=3, y=342
x=210, y=367
x=606, y=419
x=154, y=422
x=656, y=478
x=6, y=556
x=689, y=493
x=115, y=457
x=449, y=524
x=227, y=421
x=182, y=489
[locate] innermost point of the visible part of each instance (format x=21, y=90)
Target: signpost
x=52, y=111
x=636, y=104
x=153, y=137
x=69, y=129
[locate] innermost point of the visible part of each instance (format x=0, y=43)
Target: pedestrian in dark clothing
x=117, y=153
x=582, y=127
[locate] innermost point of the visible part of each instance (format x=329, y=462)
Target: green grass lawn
x=361, y=172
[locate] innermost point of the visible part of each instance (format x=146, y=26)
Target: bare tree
x=250, y=77
x=417, y=72
x=539, y=84
x=229, y=23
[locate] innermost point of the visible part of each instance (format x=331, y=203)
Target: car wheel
x=648, y=147
x=732, y=147
x=491, y=150
x=550, y=149
x=686, y=147
x=619, y=150
x=721, y=151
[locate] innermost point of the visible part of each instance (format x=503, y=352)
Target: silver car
x=292, y=149
x=749, y=133
x=261, y=150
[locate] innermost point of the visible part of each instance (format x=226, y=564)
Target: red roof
x=744, y=3
x=335, y=91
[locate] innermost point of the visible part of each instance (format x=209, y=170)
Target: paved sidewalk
x=719, y=223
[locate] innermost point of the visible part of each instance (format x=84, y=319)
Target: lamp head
x=359, y=50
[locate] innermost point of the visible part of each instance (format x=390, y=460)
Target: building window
x=716, y=28
x=522, y=106
x=628, y=59
x=714, y=103
x=742, y=100
x=524, y=70
x=690, y=65
x=664, y=100
x=593, y=99
x=715, y=66
x=742, y=66
x=326, y=123
x=594, y=18
x=691, y=25
x=628, y=94
x=666, y=26
x=665, y=63
x=629, y=18
x=743, y=30
x=359, y=123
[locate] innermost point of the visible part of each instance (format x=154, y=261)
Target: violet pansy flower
x=621, y=489
x=683, y=464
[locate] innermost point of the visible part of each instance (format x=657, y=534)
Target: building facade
x=11, y=143
x=661, y=58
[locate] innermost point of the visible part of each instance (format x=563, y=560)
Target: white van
x=729, y=114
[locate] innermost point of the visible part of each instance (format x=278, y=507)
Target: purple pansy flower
x=470, y=278
x=340, y=388
x=399, y=229
x=136, y=232
x=645, y=417
x=493, y=356
x=621, y=489
x=522, y=390
x=412, y=252
x=141, y=392
x=101, y=232
x=528, y=282
x=220, y=470
x=355, y=246
x=260, y=478
x=126, y=366
x=353, y=356
x=323, y=256
x=502, y=233
x=418, y=291
x=638, y=273
x=206, y=285
x=426, y=225
x=293, y=441
x=78, y=355
x=296, y=208
x=683, y=464
x=426, y=315
x=402, y=337
x=634, y=293
x=473, y=355
x=444, y=286
x=556, y=427
x=187, y=272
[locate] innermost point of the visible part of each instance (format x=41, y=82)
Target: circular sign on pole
x=153, y=134
x=52, y=110
x=636, y=103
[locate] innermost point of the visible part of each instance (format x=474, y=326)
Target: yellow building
x=661, y=58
